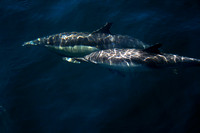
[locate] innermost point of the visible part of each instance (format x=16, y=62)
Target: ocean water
x=39, y=92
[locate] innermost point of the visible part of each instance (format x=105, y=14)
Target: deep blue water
x=39, y=92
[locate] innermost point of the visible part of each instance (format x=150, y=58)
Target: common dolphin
x=78, y=44
x=130, y=59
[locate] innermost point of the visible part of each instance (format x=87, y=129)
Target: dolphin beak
x=29, y=43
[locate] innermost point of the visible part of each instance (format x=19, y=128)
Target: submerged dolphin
x=129, y=59
x=78, y=44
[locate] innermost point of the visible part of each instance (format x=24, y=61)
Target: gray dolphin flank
x=129, y=59
x=78, y=44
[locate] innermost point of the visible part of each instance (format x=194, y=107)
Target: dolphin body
x=79, y=44
x=130, y=59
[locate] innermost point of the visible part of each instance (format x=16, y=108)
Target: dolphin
x=130, y=59
x=79, y=44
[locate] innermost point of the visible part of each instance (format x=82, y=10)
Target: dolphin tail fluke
x=189, y=62
x=196, y=63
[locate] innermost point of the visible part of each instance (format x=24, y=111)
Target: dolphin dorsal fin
x=153, y=49
x=105, y=29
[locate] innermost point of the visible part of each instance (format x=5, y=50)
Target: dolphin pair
x=115, y=51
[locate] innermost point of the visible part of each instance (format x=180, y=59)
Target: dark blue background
x=39, y=92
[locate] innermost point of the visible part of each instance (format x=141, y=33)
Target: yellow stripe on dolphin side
x=75, y=51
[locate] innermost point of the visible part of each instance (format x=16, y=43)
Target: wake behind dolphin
x=78, y=44
x=130, y=59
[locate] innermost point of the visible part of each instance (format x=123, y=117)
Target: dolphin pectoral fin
x=104, y=29
x=71, y=60
x=153, y=49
